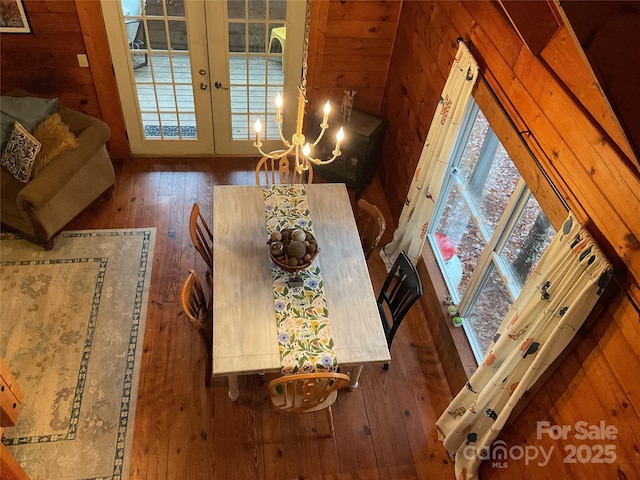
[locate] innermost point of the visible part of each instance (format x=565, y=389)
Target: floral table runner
x=304, y=331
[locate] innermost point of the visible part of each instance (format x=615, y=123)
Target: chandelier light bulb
x=326, y=110
x=306, y=150
x=278, y=102
x=339, y=138
x=258, y=128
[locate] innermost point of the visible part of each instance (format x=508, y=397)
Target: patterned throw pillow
x=20, y=153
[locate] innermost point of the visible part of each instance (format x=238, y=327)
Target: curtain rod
x=564, y=202
x=614, y=276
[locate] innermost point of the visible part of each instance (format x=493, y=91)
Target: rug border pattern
x=141, y=298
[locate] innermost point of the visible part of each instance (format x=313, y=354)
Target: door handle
x=203, y=86
x=218, y=85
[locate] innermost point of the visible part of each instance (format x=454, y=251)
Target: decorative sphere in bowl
x=293, y=249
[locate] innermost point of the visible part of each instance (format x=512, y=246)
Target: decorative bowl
x=293, y=258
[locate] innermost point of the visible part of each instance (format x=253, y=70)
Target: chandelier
x=297, y=144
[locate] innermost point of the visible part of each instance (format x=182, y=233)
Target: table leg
x=234, y=392
x=355, y=377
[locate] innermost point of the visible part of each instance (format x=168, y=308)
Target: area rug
x=71, y=332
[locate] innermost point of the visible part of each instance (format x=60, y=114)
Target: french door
x=193, y=75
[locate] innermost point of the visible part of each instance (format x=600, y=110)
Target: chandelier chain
x=297, y=146
x=305, y=45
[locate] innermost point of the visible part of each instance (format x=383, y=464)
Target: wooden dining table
x=245, y=337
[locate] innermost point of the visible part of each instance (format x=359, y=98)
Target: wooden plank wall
x=566, y=60
x=613, y=53
x=587, y=162
x=350, y=45
x=44, y=62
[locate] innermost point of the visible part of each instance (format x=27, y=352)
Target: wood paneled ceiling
x=609, y=33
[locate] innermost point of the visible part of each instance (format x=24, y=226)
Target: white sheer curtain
x=427, y=180
x=562, y=290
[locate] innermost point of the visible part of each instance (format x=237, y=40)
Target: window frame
x=491, y=256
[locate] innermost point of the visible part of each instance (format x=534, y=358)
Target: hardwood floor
x=383, y=430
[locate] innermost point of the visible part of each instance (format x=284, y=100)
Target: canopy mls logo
x=594, y=451
x=499, y=454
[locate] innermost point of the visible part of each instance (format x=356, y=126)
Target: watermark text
x=589, y=443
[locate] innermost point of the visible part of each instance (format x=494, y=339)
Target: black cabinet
x=360, y=148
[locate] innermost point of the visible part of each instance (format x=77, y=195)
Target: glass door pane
x=160, y=59
x=161, y=66
x=256, y=39
x=255, y=52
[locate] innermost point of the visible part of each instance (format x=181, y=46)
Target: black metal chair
x=400, y=291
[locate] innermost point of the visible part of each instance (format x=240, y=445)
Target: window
x=487, y=231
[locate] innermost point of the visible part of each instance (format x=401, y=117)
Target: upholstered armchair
x=66, y=185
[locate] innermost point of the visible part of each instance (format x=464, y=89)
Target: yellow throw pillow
x=55, y=137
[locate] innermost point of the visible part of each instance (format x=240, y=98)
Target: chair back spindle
x=308, y=392
x=371, y=226
x=202, y=238
x=194, y=306
x=281, y=170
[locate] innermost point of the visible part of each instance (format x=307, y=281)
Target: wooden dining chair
x=371, y=226
x=308, y=392
x=202, y=238
x=194, y=305
x=281, y=170
x=400, y=291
